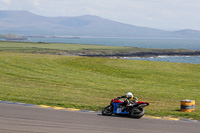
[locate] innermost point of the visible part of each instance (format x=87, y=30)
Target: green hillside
x=90, y=83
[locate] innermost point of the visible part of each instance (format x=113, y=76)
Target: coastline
x=86, y=50
x=144, y=54
x=175, y=59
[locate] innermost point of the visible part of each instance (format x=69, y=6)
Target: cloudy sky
x=160, y=14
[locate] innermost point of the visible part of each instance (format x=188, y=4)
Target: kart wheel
x=136, y=112
x=108, y=110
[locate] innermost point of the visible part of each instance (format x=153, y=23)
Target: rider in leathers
x=129, y=99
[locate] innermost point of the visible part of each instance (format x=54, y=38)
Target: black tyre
x=136, y=112
x=108, y=110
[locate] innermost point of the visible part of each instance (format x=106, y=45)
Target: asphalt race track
x=31, y=119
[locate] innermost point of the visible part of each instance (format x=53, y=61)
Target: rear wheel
x=136, y=112
x=108, y=110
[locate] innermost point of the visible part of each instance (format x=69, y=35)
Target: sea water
x=193, y=44
x=180, y=59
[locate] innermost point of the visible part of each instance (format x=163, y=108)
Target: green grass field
x=90, y=83
x=59, y=46
x=74, y=49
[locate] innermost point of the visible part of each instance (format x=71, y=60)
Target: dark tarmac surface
x=32, y=119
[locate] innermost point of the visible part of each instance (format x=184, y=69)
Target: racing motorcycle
x=117, y=107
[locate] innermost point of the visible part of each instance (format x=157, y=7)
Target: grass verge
x=90, y=83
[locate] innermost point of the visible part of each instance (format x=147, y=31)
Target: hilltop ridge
x=27, y=23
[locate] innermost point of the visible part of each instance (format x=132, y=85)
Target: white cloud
x=36, y=2
x=5, y=1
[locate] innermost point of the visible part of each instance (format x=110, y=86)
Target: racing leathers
x=127, y=101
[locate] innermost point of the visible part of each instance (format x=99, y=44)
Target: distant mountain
x=26, y=23
x=188, y=33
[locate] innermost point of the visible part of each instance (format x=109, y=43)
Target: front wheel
x=136, y=112
x=108, y=110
